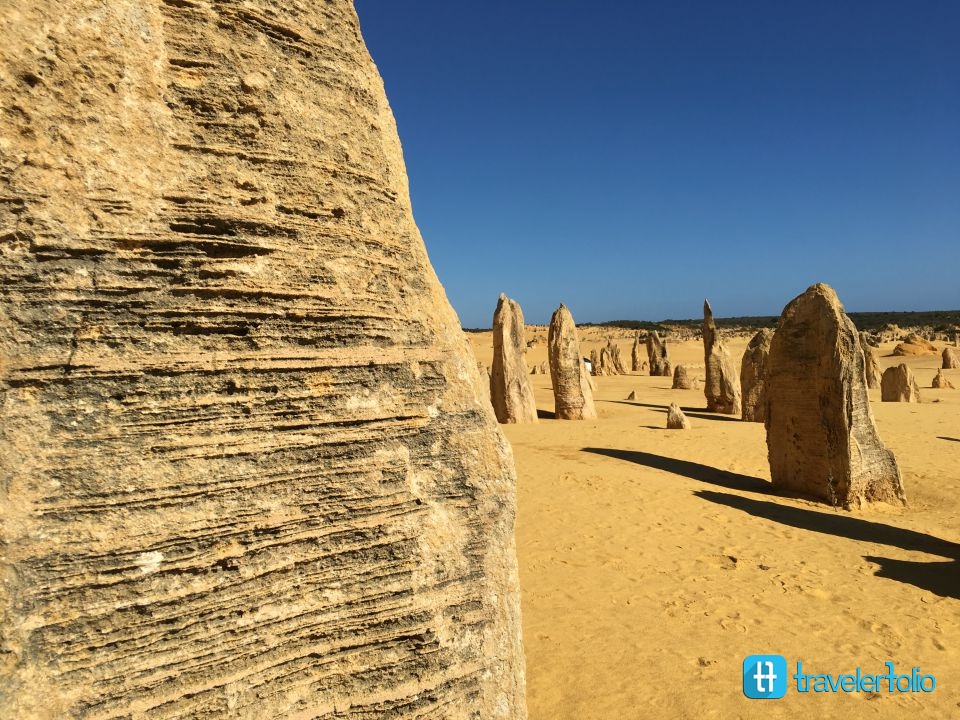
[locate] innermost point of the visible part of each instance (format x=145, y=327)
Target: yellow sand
x=653, y=561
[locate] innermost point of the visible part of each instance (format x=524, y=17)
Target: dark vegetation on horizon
x=938, y=320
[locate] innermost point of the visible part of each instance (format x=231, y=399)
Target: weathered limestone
x=510, y=390
x=595, y=362
x=821, y=438
x=247, y=467
x=722, y=386
x=616, y=361
x=573, y=398
x=636, y=358
x=899, y=385
x=632, y=395
x=676, y=420
x=914, y=344
x=485, y=380
x=940, y=381
x=681, y=378
x=951, y=359
x=872, y=362
x=656, y=354
x=753, y=377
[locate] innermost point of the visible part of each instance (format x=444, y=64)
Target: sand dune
x=653, y=561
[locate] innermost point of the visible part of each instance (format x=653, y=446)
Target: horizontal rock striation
x=248, y=471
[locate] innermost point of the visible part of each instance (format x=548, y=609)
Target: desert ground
x=653, y=561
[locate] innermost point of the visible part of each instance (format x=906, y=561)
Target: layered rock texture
x=753, y=377
x=898, y=384
x=681, y=378
x=722, y=385
x=573, y=398
x=510, y=389
x=872, y=363
x=821, y=437
x=247, y=468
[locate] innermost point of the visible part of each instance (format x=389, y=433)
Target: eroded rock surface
x=573, y=397
x=821, y=437
x=681, y=378
x=898, y=384
x=951, y=359
x=722, y=384
x=676, y=420
x=872, y=368
x=248, y=470
x=753, y=377
x=510, y=389
x=656, y=354
x=940, y=381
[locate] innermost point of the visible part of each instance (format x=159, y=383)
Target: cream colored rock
x=753, y=377
x=636, y=356
x=681, y=378
x=510, y=389
x=656, y=354
x=940, y=381
x=616, y=360
x=914, y=344
x=872, y=367
x=722, y=385
x=821, y=437
x=573, y=398
x=247, y=468
x=899, y=385
x=484, y=373
x=676, y=420
x=951, y=359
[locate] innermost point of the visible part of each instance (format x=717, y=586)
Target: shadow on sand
x=688, y=411
x=944, y=437
x=942, y=578
x=692, y=470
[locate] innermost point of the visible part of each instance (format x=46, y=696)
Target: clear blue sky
x=631, y=158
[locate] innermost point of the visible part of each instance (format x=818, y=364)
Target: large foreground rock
x=821, y=438
x=753, y=377
x=573, y=398
x=510, y=389
x=722, y=386
x=247, y=468
x=899, y=385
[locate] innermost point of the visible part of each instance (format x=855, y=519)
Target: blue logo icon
x=764, y=677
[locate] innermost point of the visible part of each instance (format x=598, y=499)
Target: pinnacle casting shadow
x=692, y=470
x=690, y=412
x=941, y=578
x=944, y=437
x=842, y=525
